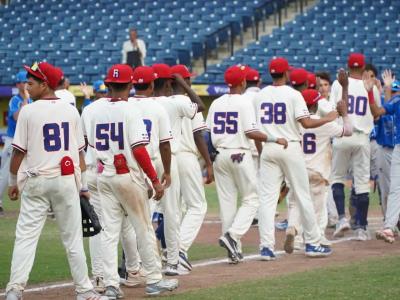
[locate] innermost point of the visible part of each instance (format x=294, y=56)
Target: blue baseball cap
x=21, y=77
x=99, y=87
x=396, y=86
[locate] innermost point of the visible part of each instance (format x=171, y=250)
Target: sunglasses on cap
x=35, y=67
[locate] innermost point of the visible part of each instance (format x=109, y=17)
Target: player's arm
x=376, y=111
x=344, y=102
x=15, y=109
x=165, y=151
x=16, y=160
x=307, y=122
x=259, y=136
x=189, y=91
x=203, y=149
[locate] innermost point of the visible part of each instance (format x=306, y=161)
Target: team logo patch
x=237, y=157
x=115, y=73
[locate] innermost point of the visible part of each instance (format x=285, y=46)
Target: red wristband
x=371, y=98
x=142, y=157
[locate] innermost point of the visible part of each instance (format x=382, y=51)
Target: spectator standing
x=133, y=50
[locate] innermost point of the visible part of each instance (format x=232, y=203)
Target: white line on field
x=200, y=264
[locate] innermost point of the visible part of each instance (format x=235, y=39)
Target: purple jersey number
x=357, y=105
x=273, y=113
x=106, y=132
x=225, y=122
x=148, y=125
x=309, y=144
x=52, y=136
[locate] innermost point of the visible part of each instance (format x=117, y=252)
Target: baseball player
x=192, y=145
x=232, y=123
x=280, y=111
x=99, y=90
x=317, y=150
x=393, y=204
x=312, y=81
x=353, y=151
x=63, y=93
x=115, y=129
x=48, y=167
x=14, y=107
x=177, y=107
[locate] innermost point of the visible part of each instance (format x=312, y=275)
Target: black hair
x=371, y=67
x=299, y=86
x=38, y=80
x=324, y=75
x=62, y=81
x=252, y=83
x=277, y=75
x=141, y=86
x=118, y=87
x=159, y=83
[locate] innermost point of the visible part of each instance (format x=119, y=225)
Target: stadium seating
x=87, y=36
x=322, y=38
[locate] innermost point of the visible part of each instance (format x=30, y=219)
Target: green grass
x=51, y=263
x=372, y=279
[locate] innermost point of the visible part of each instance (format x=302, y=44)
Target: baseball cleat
x=386, y=235
x=135, y=279
x=164, y=285
x=267, y=254
x=98, y=284
x=289, y=240
x=342, y=226
x=317, y=251
x=184, y=261
x=281, y=225
x=227, y=242
x=175, y=270
x=92, y=295
x=113, y=293
x=325, y=242
x=14, y=295
x=362, y=235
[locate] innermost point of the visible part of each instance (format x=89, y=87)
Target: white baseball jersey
x=317, y=146
x=156, y=121
x=48, y=130
x=229, y=118
x=188, y=128
x=177, y=107
x=66, y=96
x=278, y=109
x=251, y=92
x=358, y=109
x=325, y=107
x=112, y=128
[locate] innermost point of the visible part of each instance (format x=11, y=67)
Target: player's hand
x=166, y=180
x=341, y=107
x=159, y=189
x=283, y=142
x=331, y=116
x=210, y=174
x=368, y=81
x=85, y=90
x=388, y=78
x=85, y=194
x=13, y=193
x=343, y=78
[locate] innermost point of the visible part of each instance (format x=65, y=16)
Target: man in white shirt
x=63, y=93
x=133, y=50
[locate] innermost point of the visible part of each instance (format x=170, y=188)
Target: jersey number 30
x=52, y=136
x=106, y=132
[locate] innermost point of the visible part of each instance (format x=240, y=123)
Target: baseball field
x=368, y=270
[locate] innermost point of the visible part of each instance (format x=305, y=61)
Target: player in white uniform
x=115, y=129
x=353, y=151
x=192, y=145
x=48, y=162
x=63, y=93
x=177, y=107
x=232, y=123
x=318, y=156
x=280, y=112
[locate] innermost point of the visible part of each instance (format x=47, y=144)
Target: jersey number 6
x=106, y=132
x=226, y=122
x=309, y=144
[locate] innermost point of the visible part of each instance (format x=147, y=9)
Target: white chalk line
x=200, y=264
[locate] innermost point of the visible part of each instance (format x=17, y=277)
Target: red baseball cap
x=119, y=73
x=252, y=74
x=46, y=72
x=143, y=75
x=311, y=96
x=278, y=65
x=235, y=75
x=162, y=71
x=298, y=76
x=182, y=70
x=312, y=80
x=356, y=60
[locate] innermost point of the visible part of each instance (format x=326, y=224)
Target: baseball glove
x=90, y=221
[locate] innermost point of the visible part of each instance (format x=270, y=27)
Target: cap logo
x=35, y=66
x=140, y=80
x=115, y=73
x=273, y=71
x=355, y=64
